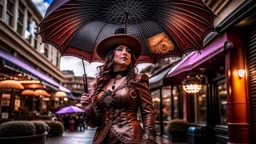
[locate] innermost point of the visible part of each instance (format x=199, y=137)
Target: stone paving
x=85, y=138
x=73, y=138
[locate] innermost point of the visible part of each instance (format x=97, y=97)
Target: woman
x=118, y=94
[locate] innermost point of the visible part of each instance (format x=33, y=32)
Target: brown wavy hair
x=105, y=70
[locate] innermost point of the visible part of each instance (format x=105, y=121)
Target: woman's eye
x=128, y=50
x=119, y=49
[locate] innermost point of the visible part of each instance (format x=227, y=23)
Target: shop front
x=166, y=100
x=36, y=96
x=204, y=106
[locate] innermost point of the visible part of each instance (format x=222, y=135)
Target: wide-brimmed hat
x=119, y=38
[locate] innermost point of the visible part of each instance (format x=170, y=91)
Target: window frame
x=28, y=27
x=10, y=13
x=217, y=101
x=21, y=10
x=1, y=8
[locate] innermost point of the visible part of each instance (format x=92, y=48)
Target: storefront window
x=156, y=103
x=222, y=97
x=175, y=93
x=167, y=106
x=166, y=94
x=200, y=105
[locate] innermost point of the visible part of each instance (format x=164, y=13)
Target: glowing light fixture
x=241, y=73
x=192, y=84
x=65, y=99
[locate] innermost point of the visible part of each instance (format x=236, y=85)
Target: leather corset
x=121, y=119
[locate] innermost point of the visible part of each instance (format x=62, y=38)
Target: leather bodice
x=121, y=119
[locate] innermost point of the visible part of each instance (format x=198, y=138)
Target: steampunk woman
x=118, y=94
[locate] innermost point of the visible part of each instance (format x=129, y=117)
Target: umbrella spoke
x=57, y=31
x=66, y=14
x=51, y=26
x=190, y=22
x=70, y=33
x=199, y=7
x=178, y=22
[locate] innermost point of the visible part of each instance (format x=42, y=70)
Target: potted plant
x=177, y=130
x=22, y=132
x=56, y=128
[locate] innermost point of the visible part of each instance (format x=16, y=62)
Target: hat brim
x=106, y=44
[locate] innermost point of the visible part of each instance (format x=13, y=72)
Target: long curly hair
x=104, y=72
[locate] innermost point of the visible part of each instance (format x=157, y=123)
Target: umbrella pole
x=85, y=79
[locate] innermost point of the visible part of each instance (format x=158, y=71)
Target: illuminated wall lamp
x=241, y=73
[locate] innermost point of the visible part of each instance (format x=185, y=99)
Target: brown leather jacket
x=121, y=120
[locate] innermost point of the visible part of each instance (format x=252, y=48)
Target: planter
x=33, y=139
x=178, y=137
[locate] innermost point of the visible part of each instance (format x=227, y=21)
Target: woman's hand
x=86, y=101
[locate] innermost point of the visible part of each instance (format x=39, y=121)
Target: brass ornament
x=160, y=44
x=133, y=94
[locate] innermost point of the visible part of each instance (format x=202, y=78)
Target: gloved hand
x=86, y=102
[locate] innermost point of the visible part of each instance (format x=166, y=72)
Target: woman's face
x=122, y=56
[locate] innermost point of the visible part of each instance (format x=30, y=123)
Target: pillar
x=237, y=105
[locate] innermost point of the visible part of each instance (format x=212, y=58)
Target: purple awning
x=194, y=59
x=14, y=62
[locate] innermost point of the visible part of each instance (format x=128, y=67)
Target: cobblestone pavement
x=85, y=138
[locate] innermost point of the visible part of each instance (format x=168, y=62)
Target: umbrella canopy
x=60, y=94
x=40, y=92
x=69, y=109
x=28, y=92
x=164, y=27
x=11, y=84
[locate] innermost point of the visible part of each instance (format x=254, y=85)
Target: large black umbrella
x=165, y=27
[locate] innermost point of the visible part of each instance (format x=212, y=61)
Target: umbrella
x=40, y=92
x=60, y=94
x=165, y=27
x=70, y=109
x=28, y=92
x=10, y=84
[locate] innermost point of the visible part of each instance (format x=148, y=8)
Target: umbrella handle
x=85, y=83
x=85, y=79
